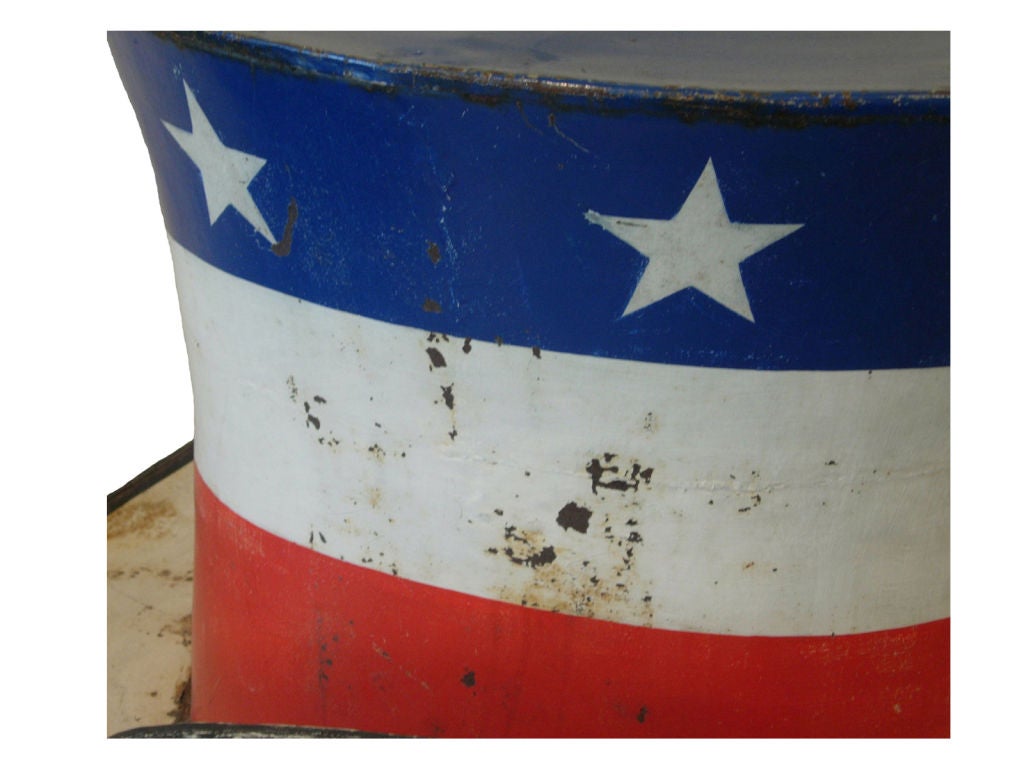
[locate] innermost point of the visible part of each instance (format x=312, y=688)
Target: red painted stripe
x=285, y=635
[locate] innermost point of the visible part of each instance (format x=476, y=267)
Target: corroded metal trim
x=150, y=477
x=792, y=110
x=237, y=731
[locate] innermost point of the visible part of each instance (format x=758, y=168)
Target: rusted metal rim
x=237, y=731
x=783, y=109
x=150, y=477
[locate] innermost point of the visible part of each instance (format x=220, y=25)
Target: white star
x=225, y=172
x=698, y=247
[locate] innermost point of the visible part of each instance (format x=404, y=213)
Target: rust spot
x=543, y=557
x=525, y=551
x=574, y=516
x=628, y=480
x=449, y=398
x=436, y=358
x=429, y=305
x=748, y=566
x=433, y=252
x=284, y=246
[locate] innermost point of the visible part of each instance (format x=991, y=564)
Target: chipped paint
x=502, y=453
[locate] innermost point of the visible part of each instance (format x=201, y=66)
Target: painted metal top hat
x=563, y=384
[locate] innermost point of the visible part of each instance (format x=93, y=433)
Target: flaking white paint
x=778, y=502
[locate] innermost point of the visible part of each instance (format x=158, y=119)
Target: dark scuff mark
x=554, y=126
x=531, y=126
x=322, y=539
x=429, y=305
x=449, y=398
x=182, y=701
x=487, y=99
x=468, y=679
x=311, y=419
x=284, y=246
x=436, y=358
x=536, y=352
x=574, y=516
x=433, y=252
x=641, y=715
x=318, y=399
x=466, y=346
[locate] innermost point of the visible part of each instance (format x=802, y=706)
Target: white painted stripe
x=776, y=503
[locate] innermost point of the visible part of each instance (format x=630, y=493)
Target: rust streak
x=284, y=246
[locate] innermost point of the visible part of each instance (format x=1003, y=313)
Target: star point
x=698, y=248
x=225, y=172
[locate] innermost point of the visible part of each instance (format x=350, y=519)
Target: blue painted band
x=461, y=207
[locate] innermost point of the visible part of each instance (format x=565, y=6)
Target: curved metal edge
x=779, y=109
x=237, y=731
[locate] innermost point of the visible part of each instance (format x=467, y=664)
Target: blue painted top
x=498, y=205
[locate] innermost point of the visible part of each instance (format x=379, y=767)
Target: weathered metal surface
x=532, y=404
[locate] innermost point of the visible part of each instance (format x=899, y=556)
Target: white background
x=149, y=402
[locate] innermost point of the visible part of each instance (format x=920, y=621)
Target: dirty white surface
x=694, y=499
x=149, y=605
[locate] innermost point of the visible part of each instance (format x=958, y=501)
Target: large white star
x=225, y=172
x=698, y=247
